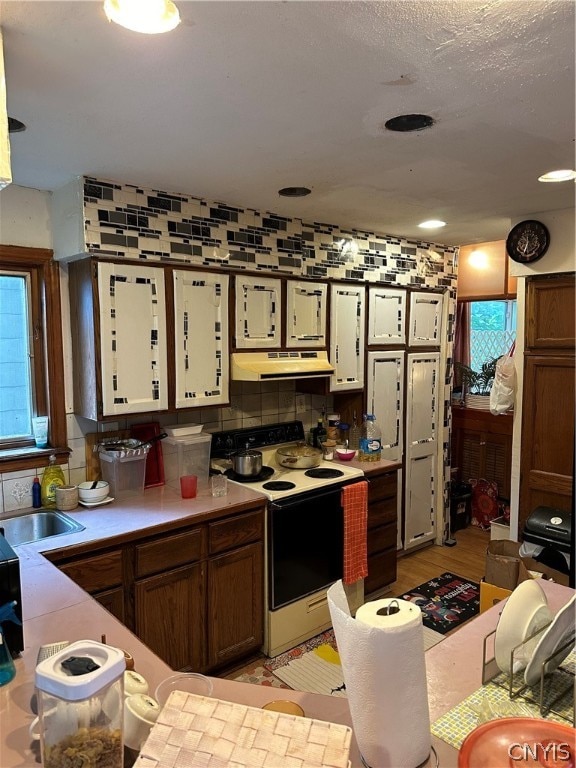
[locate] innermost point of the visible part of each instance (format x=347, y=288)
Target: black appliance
x=551, y=529
x=9, y=592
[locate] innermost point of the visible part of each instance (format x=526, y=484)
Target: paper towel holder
x=390, y=609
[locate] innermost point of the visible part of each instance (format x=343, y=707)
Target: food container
x=124, y=469
x=298, y=456
x=81, y=706
x=186, y=455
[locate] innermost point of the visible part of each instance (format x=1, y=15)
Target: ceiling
x=244, y=98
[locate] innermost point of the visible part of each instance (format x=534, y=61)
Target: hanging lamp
x=151, y=17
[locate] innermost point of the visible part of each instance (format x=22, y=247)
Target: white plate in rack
x=561, y=631
x=107, y=500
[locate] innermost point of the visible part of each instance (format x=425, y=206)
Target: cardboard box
x=490, y=595
x=505, y=568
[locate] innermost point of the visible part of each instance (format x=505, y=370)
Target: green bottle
x=52, y=478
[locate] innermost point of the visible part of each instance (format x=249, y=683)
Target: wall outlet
x=301, y=403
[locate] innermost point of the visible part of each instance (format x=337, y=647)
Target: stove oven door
x=305, y=545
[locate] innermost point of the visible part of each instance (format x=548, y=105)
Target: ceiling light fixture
x=151, y=17
x=478, y=260
x=15, y=126
x=407, y=123
x=294, y=191
x=432, y=224
x=558, y=176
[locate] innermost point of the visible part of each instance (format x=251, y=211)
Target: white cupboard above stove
x=347, y=310
x=201, y=338
x=306, y=313
x=425, y=319
x=386, y=315
x=119, y=344
x=258, y=312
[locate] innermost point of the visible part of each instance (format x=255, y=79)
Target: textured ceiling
x=246, y=97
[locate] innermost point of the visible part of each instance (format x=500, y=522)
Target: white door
x=422, y=434
x=386, y=315
x=132, y=338
x=306, y=314
x=425, y=319
x=385, y=385
x=201, y=338
x=258, y=312
x=347, y=337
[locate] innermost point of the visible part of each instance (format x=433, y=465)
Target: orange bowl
x=520, y=742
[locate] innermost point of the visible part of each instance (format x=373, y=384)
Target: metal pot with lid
x=247, y=463
x=298, y=456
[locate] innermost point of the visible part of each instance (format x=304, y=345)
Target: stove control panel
x=226, y=443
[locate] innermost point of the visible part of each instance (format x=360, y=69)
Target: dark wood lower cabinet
x=382, y=530
x=113, y=601
x=170, y=616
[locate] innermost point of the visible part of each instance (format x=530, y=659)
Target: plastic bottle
x=371, y=440
x=354, y=436
x=36, y=494
x=51, y=479
x=319, y=434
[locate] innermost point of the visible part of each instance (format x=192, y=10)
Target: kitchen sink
x=34, y=526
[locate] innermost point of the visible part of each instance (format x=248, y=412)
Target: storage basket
x=124, y=470
x=187, y=455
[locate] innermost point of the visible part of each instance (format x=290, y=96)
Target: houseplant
x=477, y=384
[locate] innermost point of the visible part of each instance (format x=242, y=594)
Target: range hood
x=273, y=366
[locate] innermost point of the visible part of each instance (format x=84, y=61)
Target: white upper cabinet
x=201, y=338
x=133, y=338
x=306, y=314
x=347, y=313
x=386, y=315
x=385, y=399
x=425, y=319
x=258, y=312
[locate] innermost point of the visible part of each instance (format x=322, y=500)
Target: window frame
x=48, y=367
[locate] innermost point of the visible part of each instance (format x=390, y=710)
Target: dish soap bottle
x=371, y=440
x=52, y=478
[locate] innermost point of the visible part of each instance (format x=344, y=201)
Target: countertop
x=57, y=609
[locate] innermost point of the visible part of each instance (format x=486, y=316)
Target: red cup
x=188, y=486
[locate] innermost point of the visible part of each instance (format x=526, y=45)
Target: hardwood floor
x=466, y=559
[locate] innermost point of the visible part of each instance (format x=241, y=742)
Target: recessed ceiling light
x=15, y=126
x=294, y=191
x=406, y=123
x=558, y=176
x=151, y=17
x=432, y=224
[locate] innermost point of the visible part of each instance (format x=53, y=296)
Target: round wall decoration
x=528, y=241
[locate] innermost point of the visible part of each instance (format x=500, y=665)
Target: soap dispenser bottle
x=52, y=478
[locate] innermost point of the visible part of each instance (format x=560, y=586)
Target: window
x=31, y=359
x=492, y=329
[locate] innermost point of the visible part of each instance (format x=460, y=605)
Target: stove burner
x=279, y=485
x=323, y=473
x=264, y=474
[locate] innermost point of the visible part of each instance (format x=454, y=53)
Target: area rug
x=314, y=665
x=446, y=601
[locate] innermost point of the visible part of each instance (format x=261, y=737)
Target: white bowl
x=93, y=495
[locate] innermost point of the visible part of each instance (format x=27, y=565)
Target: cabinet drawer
x=382, y=512
x=382, y=486
x=168, y=552
x=98, y=573
x=235, y=531
x=381, y=538
x=381, y=571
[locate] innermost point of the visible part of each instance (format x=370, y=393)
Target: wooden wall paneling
x=550, y=313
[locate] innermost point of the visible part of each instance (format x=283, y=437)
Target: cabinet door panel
x=113, y=601
x=258, y=312
x=419, y=522
x=386, y=316
x=133, y=338
x=347, y=337
x=235, y=604
x=201, y=338
x=425, y=319
x=386, y=399
x=381, y=570
x=306, y=314
x=170, y=616
x=422, y=405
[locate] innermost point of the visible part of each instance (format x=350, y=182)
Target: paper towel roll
x=385, y=674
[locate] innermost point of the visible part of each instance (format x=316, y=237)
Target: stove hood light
x=556, y=176
x=275, y=366
x=151, y=17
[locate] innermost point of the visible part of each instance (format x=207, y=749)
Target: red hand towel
x=355, y=504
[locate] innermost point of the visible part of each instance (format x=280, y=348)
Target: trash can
x=547, y=537
x=460, y=505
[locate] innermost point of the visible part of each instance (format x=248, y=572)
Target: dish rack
x=551, y=690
